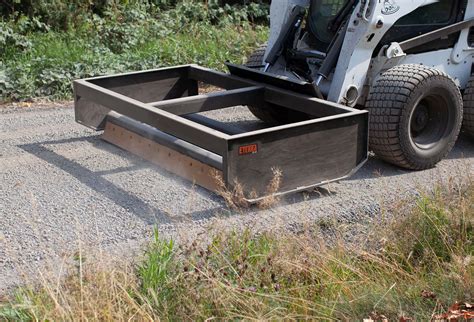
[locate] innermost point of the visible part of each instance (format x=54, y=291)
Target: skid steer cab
x=334, y=77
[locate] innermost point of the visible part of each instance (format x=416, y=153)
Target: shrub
x=10, y=39
x=39, y=60
x=62, y=15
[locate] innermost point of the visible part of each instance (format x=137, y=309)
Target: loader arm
x=369, y=22
x=344, y=70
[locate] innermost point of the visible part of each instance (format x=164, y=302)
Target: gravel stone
x=62, y=189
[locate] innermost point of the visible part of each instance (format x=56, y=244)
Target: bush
x=62, y=15
x=39, y=60
x=11, y=39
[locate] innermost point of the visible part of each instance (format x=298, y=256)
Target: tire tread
x=468, y=123
x=386, y=103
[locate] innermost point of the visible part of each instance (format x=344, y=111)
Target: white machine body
x=357, y=68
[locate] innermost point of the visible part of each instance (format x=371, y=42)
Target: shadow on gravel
x=376, y=168
x=464, y=148
x=96, y=180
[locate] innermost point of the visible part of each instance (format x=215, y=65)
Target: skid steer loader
x=331, y=70
x=406, y=61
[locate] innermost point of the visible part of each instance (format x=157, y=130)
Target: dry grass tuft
x=236, y=198
x=417, y=267
x=88, y=292
x=273, y=187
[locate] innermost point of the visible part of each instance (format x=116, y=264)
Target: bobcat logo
x=390, y=7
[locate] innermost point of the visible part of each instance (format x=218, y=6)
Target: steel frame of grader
x=155, y=114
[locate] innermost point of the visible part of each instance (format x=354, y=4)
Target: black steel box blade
x=328, y=147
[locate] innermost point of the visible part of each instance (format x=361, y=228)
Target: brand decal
x=390, y=7
x=248, y=149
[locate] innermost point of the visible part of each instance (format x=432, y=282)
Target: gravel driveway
x=62, y=187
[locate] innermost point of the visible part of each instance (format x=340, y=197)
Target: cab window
x=431, y=14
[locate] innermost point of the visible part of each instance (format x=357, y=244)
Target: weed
x=155, y=271
x=272, y=189
x=236, y=198
x=417, y=267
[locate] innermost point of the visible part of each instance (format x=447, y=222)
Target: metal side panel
x=90, y=114
x=308, y=154
x=146, y=86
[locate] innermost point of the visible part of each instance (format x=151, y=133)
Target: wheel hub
x=420, y=119
x=429, y=121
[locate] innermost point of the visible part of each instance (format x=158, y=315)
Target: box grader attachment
x=155, y=114
x=408, y=62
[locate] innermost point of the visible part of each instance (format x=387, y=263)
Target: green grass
x=38, y=60
x=427, y=250
x=54, y=60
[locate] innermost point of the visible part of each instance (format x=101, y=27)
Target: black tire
x=256, y=58
x=415, y=115
x=271, y=113
x=468, y=122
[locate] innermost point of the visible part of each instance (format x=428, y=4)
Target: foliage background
x=46, y=44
